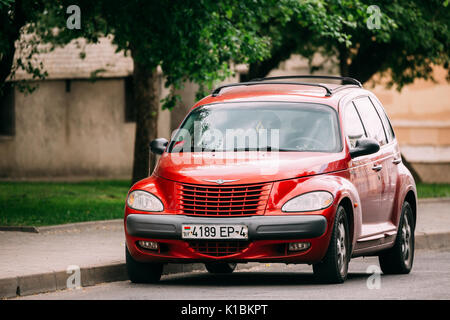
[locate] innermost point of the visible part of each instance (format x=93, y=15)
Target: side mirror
x=364, y=146
x=158, y=146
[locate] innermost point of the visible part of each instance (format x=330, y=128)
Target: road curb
x=90, y=276
x=77, y=226
x=432, y=200
x=93, y=275
x=81, y=226
x=432, y=241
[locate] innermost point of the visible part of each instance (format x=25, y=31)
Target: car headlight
x=145, y=201
x=311, y=201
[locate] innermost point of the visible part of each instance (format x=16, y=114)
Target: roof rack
x=252, y=83
x=270, y=80
x=343, y=79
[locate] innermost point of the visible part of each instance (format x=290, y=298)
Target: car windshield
x=258, y=126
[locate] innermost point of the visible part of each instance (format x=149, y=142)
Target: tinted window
x=371, y=120
x=353, y=126
x=384, y=118
x=259, y=126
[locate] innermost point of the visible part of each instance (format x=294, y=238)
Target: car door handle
x=377, y=167
x=397, y=161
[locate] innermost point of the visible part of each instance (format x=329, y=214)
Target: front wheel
x=220, y=267
x=334, y=266
x=140, y=272
x=399, y=259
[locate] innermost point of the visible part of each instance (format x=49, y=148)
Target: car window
x=253, y=126
x=371, y=120
x=352, y=125
x=386, y=123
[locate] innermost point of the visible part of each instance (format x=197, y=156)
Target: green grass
x=433, y=190
x=50, y=203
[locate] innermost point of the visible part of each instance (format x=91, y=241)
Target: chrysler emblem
x=221, y=181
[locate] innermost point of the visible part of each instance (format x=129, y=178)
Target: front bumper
x=159, y=226
x=268, y=238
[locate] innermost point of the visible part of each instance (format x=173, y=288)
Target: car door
x=380, y=161
x=362, y=175
x=391, y=162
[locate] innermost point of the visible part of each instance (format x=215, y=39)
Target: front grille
x=233, y=200
x=218, y=248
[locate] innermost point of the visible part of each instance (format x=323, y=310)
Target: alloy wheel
x=341, y=248
x=406, y=241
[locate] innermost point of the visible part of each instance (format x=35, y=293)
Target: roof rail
x=270, y=80
x=344, y=79
x=252, y=83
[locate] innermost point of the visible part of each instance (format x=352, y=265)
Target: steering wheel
x=308, y=143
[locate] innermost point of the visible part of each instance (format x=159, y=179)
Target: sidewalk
x=37, y=262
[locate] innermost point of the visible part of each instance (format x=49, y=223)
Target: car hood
x=246, y=167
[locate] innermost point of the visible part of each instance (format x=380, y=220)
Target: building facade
x=73, y=125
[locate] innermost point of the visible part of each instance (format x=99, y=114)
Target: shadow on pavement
x=249, y=279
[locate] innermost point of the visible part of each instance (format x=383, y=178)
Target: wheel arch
x=346, y=195
x=347, y=204
x=412, y=200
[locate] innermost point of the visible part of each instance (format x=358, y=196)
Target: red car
x=276, y=170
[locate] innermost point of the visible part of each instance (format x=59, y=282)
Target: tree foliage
x=15, y=17
x=411, y=37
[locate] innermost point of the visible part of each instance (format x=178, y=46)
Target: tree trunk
x=343, y=61
x=146, y=99
x=368, y=61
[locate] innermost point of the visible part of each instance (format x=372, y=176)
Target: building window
x=130, y=110
x=7, y=118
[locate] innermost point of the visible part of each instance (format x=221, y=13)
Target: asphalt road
x=429, y=279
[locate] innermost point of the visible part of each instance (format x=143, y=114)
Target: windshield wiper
x=266, y=149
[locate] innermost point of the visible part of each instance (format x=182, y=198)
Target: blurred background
x=86, y=86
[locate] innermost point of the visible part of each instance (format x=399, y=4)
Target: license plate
x=213, y=231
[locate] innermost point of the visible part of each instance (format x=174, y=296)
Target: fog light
x=151, y=245
x=299, y=246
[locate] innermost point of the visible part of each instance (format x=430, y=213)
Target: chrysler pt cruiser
x=276, y=170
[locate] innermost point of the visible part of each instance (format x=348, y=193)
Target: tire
x=221, y=267
x=399, y=259
x=139, y=272
x=334, y=266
